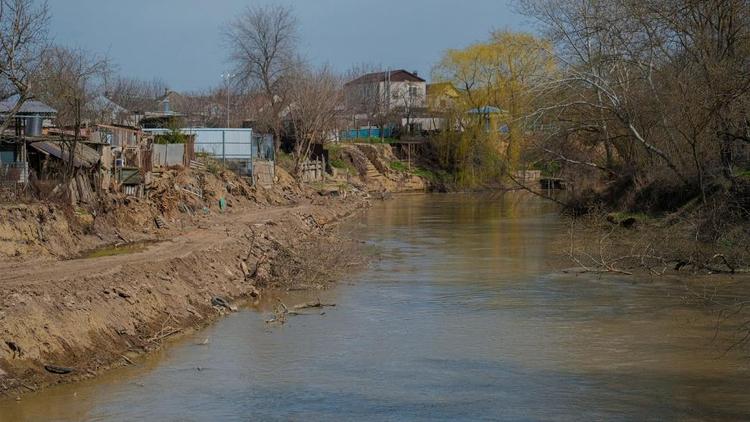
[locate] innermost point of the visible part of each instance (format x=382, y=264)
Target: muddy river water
x=464, y=315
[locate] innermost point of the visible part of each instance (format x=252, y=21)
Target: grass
x=425, y=174
x=416, y=171
x=398, y=166
x=339, y=163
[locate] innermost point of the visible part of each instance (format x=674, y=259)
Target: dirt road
x=211, y=234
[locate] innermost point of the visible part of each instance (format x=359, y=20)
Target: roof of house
x=442, y=88
x=102, y=104
x=400, y=75
x=28, y=107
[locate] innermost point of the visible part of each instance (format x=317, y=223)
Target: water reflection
x=463, y=317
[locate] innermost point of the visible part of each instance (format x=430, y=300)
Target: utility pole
x=227, y=78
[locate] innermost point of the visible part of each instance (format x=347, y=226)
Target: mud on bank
x=62, y=321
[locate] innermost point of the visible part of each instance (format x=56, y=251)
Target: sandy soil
x=83, y=316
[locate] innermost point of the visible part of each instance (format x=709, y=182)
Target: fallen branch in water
x=162, y=336
x=317, y=304
x=280, y=312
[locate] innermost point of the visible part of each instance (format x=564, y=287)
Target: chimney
x=416, y=73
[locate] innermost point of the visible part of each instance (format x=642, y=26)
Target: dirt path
x=195, y=239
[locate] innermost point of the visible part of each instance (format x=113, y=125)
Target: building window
x=413, y=91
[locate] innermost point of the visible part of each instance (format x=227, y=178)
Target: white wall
x=400, y=94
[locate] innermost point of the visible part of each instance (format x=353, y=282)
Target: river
x=464, y=314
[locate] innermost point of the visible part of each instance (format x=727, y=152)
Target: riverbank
x=89, y=288
x=463, y=314
x=688, y=243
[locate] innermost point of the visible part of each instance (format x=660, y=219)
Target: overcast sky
x=179, y=41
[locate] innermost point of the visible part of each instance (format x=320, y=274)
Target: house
x=387, y=101
x=442, y=96
x=162, y=114
x=190, y=110
x=104, y=110
x=389, y=90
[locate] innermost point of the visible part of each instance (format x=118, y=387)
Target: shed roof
x=28, y=107
x=485, y=110
x=84, y=156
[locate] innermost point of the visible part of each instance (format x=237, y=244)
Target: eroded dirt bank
x=89, y=287
x=87, y=315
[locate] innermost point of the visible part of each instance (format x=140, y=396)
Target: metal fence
x=237, y=149
x=11, y=173
x=167, y=155
x=365, y=133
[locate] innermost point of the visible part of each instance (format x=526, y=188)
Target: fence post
x=223, y=148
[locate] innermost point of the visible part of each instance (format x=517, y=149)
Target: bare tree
x=23, y=34
x=409, y=100
x=263, y=47
x=657, y=85
x=315, y=96
x=136, y=95
x=68, y=80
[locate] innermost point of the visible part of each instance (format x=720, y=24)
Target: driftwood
x=309, y=305
x=282, y=311
x=279, y=314
x=166, y=330
x=161, y=336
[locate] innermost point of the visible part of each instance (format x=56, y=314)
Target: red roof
x=400, y=75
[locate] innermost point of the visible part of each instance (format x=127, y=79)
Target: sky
x=180, y=41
